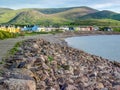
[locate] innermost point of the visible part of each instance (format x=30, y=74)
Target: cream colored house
x=11, y=29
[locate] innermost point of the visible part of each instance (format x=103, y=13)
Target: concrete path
x=8, y=44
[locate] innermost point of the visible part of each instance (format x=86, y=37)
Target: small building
x=71, y=28
x=90, y=28
x=48, y=29
x=41, y=29
x=107, y=29
x=35, y=28
x=11, y=29
x=25, y=28
x=84, y=28
x=96, y=28
x=64, y=28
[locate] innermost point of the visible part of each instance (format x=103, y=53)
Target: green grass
x=117, y=29
x=98, y=22
x=50, y=58
x=15, y=48
x=36, y=33
x=5, y=35
x=34, y=16
x=11, y=52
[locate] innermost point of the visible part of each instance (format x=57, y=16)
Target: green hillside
x=102, y=15
x=98, y=22
x=49, y=16
x=51, y=10
x=74, y=13
x=32, y=17
x=4, y=10
x=99, y=15
x=116, y=17
x=58, y=10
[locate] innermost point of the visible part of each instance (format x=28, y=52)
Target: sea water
x=106, y=46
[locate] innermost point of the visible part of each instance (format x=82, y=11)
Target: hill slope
x=4, y=10
x=74, y=13
x=116, y=17
x=34, y=17
x=49, y=16
x=98, y=22
x=58, y=10
x=102, y=15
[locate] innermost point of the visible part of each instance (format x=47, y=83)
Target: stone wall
x=42, y=65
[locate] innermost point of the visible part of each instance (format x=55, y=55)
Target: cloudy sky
x=113, y=5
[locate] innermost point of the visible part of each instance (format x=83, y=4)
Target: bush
x=4, y=35
x=117, y=29
x=1, y=35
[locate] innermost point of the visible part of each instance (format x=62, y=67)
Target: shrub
x=1, y=35
x=116, y=29
x=50, y=58
x=4, y=35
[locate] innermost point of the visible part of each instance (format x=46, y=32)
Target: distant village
x=35, y=28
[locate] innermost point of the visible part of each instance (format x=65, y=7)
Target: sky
x=113, y=5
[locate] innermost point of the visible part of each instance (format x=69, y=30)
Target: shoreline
x=50, y=64
x=63, y=37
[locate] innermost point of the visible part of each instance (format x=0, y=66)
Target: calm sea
x=107, y=46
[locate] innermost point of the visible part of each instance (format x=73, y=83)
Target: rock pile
x=56, y=67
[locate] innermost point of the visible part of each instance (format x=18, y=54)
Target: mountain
x=116, y=17
x=49, y=16
x=32, y=17
x=98, y=22
x=35, y=16
x=105, y=14
x=74, y=13
x=4, y=10
x=58, y=10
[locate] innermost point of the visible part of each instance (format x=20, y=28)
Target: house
x=84, y=28
x=107, y=29
x=64, y=28
x=41, y=29
x=35, y=28
x=29, y=28
x=11, y=29
x=48, y=29
x=71, y=28
x=25, y=28
x=96, y=28
x=90, y=28
x=77, y=29
x=18, y=29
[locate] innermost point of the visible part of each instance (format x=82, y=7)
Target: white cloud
x=101, y=6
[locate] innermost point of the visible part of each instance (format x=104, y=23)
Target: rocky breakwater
x=42, y=65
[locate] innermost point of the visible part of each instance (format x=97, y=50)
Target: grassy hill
x=57, y=10
x=105, y=14
x=74, y=13
x=32, y=17
x=98, y=22
x=116, y=17
x=4, y=10
x=48, y=16
x=63, y=15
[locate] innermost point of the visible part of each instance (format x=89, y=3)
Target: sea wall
x=42, y=65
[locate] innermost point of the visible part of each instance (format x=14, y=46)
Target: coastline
x=50, y=64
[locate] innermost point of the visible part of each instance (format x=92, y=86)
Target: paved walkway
x=7, y=44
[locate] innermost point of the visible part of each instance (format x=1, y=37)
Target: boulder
x=17, y=84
